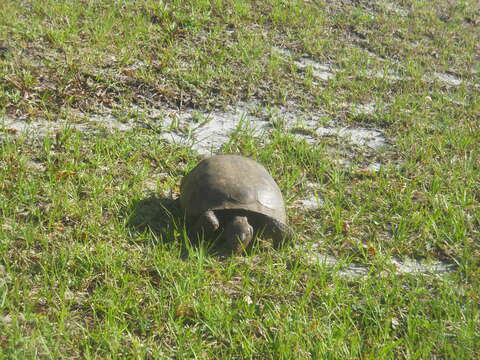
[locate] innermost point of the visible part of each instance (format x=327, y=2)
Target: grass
x=78, y=281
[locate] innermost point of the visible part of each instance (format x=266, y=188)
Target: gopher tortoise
x=236, y=197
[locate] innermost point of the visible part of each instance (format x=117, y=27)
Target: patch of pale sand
x=445, y=78
x=326, y=71
x=312, y=202
x=364, y=109
x=357, y=136
x=43, y=127
x=312, y=199
x=321, y=71
x=386, y=75
x=399, y=266
x=206, y=133
x=395, y=8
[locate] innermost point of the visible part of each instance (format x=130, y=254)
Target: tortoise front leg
x=207, y=222
x=278, y=232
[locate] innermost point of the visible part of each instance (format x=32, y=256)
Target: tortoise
x=236, y=197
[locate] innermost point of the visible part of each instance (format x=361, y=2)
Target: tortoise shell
x=232, y=182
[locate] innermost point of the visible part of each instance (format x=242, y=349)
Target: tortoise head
x=238, y=233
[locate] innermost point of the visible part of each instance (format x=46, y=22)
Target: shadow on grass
x=164, y=218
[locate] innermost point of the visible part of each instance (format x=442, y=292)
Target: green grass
x=78, y=281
